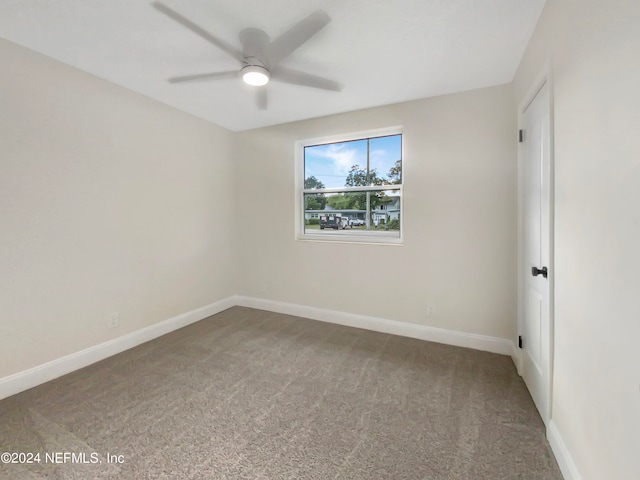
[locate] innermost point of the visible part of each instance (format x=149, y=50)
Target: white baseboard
x=561, y=452
x=27, y=379
x=412, y=330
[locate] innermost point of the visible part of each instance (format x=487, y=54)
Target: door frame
x=544, y=77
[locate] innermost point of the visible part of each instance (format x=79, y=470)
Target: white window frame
x=367, y=237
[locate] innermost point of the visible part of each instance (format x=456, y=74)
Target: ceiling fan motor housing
x=253, y=42
x=254, y=70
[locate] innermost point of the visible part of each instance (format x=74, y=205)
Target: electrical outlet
x=431, y=310
x=262, y=287
x=113, y=320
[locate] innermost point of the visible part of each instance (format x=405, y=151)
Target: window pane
x=385, y=158
x=366, y=213
x=329, y=166
x=385, y=212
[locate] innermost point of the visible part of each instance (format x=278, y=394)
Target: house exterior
x=351, y=213
x=387, y=211
x=381, y=213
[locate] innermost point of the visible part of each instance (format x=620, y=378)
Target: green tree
x=358, y=177
x=340, y=202
x=395, y=173
x=314, y=201
x=312, y=182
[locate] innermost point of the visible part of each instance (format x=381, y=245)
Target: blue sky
x=331, y=163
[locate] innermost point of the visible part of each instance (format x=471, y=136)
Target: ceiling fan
x=260, y=58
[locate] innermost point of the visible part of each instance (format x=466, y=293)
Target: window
x=350, y=188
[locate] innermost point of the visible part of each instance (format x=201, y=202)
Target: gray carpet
x=257, y=395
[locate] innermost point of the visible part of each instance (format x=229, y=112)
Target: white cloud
x=378, y=154
x=342, y=157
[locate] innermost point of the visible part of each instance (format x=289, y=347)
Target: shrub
x=394, y=224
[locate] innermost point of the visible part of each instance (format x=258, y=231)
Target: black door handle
x=537, y=271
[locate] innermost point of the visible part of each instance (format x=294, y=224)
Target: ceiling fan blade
x=290, y=40
x=185, y=22
x=203, y=76
x=261, y=97
x=289, y=75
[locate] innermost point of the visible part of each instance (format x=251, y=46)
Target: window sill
x=372, y=239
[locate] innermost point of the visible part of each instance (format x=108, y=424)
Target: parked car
x=330, y=221
x=346, y=222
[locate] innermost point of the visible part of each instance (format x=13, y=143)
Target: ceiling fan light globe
x=255, y=75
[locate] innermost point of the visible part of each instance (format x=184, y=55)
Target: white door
x=535, y=270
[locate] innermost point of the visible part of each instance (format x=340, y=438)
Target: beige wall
x=460, y=218
x=593, y=48
x=109, y=202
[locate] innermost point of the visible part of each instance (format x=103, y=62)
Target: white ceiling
x=382, y=51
